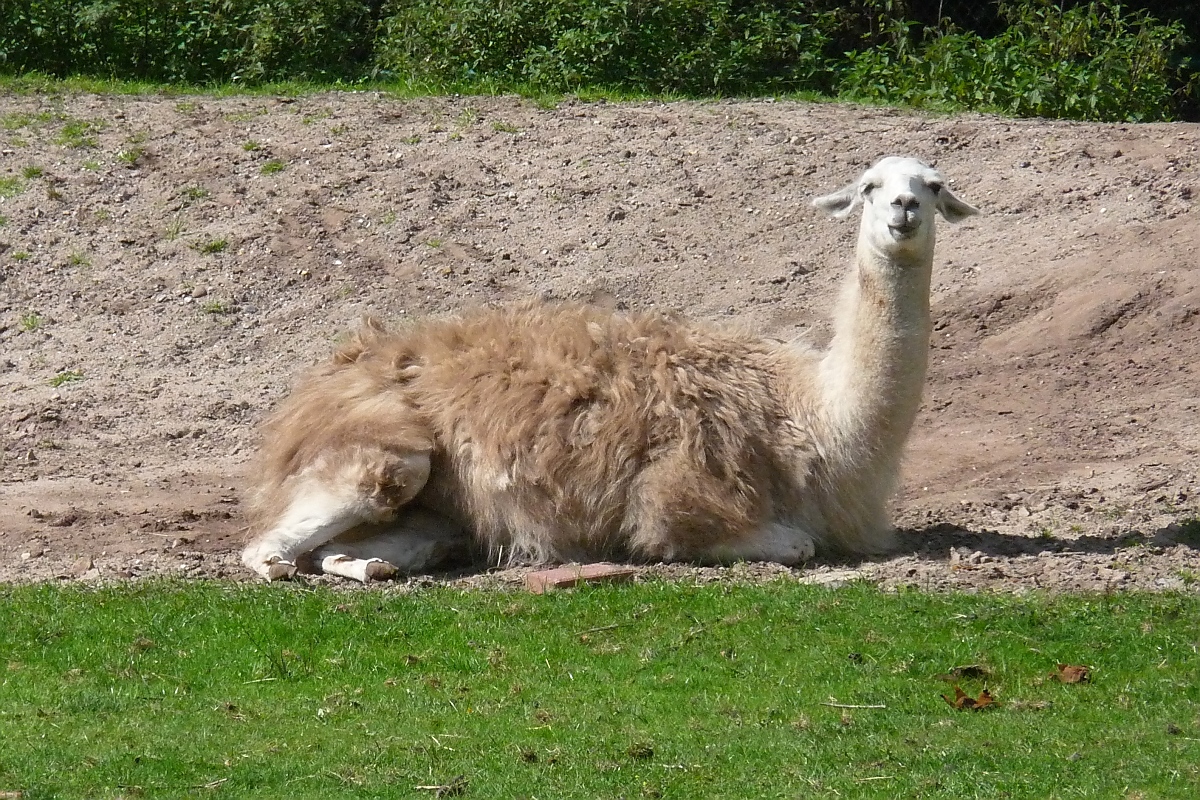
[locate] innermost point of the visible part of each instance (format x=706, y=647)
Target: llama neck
x=874, y=371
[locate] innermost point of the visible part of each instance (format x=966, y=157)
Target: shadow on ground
x=937, y=541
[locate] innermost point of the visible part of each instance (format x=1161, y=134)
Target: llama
x=550, y=432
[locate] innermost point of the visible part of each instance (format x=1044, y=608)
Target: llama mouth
x=904, y=230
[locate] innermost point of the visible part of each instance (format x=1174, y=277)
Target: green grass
x=31, y=172
x=65, y=377
x=31, y=321
x=214, y=246
x=77, y=133
x=652, y=690
x=11, y=187
x=215, y=307
x=272, y=166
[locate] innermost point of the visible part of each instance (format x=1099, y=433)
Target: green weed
x=65, y=377
x=11, y=187
x=130, y=156
x=212, y=246
x=77, y=259
x=191, y=194
x=77, y=133
x=272, y=166
x=251, y=145
x=215, y=307
x=31, y=321
x=173, y=230
x=21, y=255
x=31, y=172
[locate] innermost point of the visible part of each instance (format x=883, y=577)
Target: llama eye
x=869, y=187
x=935, y=186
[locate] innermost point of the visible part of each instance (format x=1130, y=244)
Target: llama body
x=545, y=432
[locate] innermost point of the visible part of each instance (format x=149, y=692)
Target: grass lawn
x=172, y=689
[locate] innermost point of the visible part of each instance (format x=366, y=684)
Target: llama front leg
x=315, y=515
x=417, y=541
x=346, y=489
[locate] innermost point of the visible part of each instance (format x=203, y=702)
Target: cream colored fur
x=543, y=432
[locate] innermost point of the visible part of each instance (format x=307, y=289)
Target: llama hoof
x=363, y=570
x=380, y=570
x=280, y=571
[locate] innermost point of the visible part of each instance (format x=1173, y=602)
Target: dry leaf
x=1072, y=673
x=964, y=702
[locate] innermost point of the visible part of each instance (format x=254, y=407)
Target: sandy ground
x=172, y=289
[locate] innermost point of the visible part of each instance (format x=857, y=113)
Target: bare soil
x=172, y=285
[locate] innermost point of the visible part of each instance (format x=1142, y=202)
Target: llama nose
x=906, y=201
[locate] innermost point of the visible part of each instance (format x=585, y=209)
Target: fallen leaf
x=964, y=702
x=1072, y=673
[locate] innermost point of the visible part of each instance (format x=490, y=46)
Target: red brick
x=574, y=574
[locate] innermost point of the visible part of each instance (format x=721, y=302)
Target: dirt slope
x=159, y=258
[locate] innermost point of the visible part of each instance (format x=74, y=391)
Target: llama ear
x=953, y=209
x=839, y=204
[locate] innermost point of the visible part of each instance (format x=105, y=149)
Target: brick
x=574, y=574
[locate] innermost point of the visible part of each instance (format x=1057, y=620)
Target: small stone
x=81, y=566
x=199, y=291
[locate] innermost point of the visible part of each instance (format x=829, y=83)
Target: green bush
x=1090, y=61
x=687, y=46
x=1093, y=62
x=189, y=41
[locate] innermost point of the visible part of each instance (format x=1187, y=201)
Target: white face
x=899, y=197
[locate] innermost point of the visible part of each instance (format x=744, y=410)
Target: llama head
x=899, y=197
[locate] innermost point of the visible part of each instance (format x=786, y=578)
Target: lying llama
x=546, y=432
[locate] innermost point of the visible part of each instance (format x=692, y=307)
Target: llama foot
x=359, y=569
x=271, y=568
x=280, y=570
x=776, y=542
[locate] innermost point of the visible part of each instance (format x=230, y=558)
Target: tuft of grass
x=505, y=127
x=77, y=133
x=216, y=307
x=213, y=246
x=78, y=259
x=130, y=155
x=21, y=255
x=272, y=166
x=67, y=376
x=11, y=187
x=414, y=139
x=3, y=220
x=190, y=194
x=32, y=172
x=676, y=689
x=174, y=229
x=91, y=165
x=251, y=145
x=31, y=321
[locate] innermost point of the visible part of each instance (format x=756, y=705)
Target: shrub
x=1094, y=62
x=687, y=46
x=189, y=41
